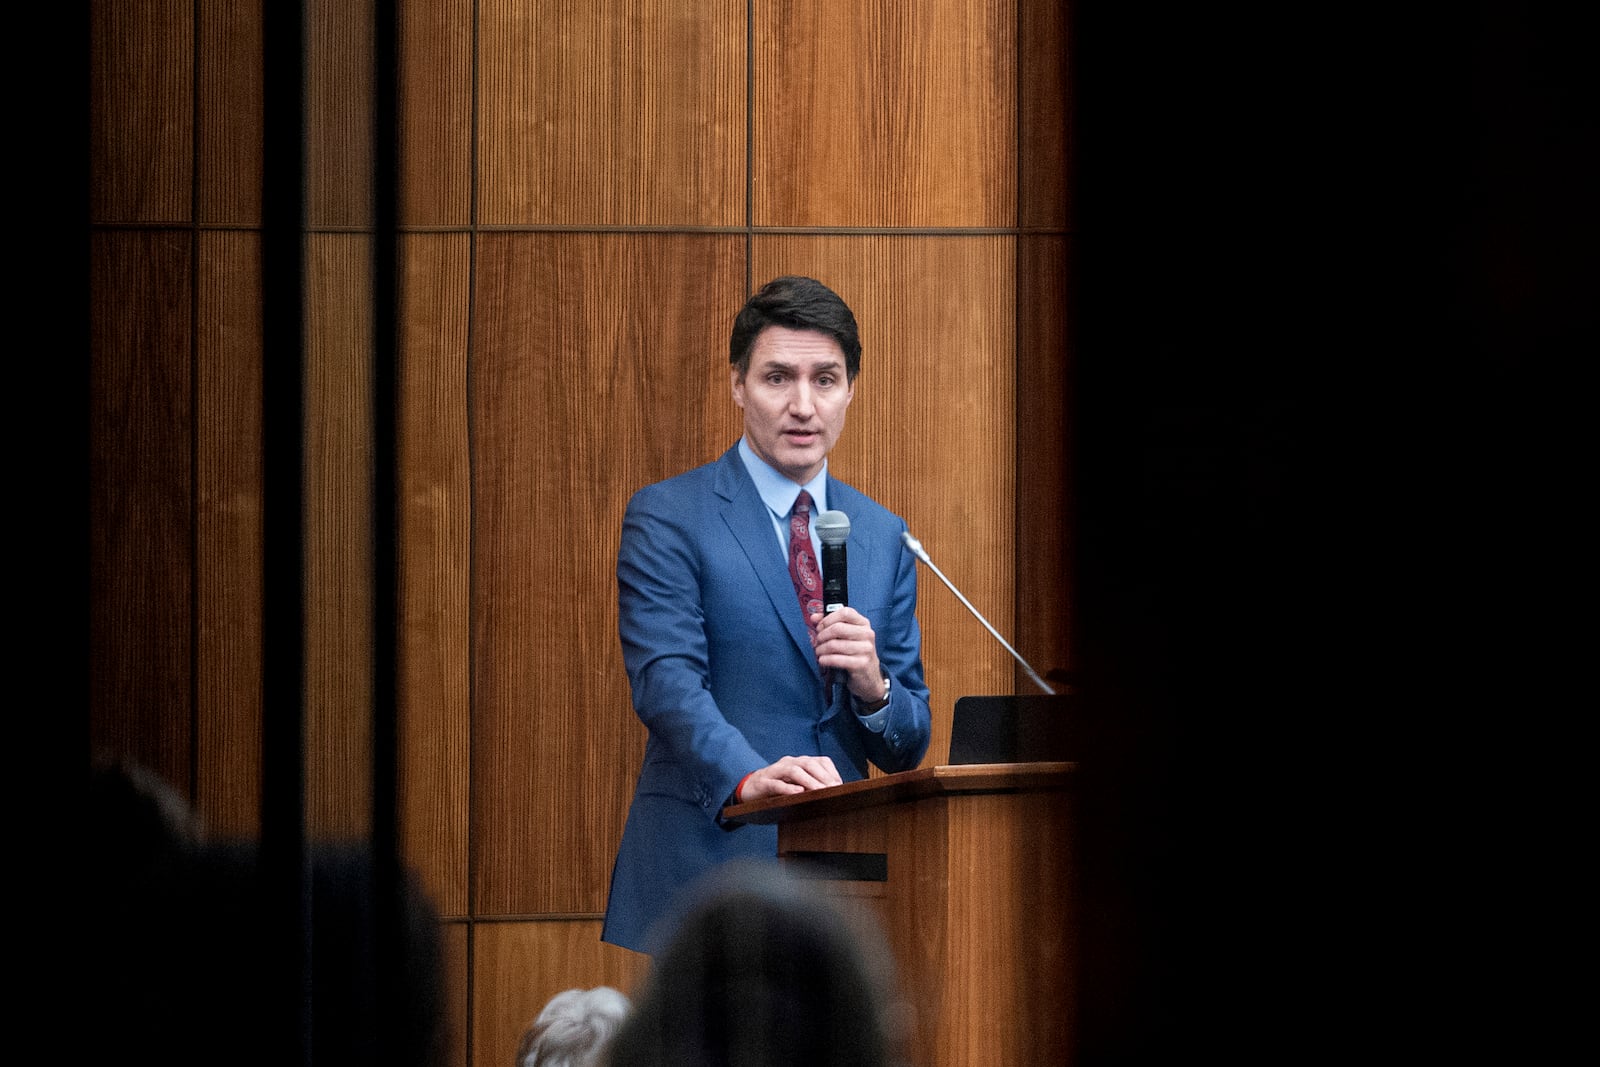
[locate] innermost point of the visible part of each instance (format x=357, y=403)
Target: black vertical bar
x=285, y=881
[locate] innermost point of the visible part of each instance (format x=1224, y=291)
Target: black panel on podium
x=1030, y=728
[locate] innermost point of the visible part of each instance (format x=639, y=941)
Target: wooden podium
x=966, y=869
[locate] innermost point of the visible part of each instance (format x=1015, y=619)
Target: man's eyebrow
x=832, y=365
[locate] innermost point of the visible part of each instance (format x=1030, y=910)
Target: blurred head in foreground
x=763, y=970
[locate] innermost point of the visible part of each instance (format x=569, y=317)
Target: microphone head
x=914, y=545
x=833, y=527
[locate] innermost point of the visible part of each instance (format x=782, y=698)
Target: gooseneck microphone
x=833, y=530
x=916, y=550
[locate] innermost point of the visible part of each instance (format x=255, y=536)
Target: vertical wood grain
x=1045, y=328
x=141, y=581
x=435, y=105
x=228, y=533
x=629, y=113
x=917, y=921
x=884, y=114
x=598, y=366
x=338, y=542
x=930, y=434
x=1044, y=491
x=455, y=950
x=141, y=111
x=339, y=101
x=1045, y=128
x=1003, y=851
x=231, y=113
x=435, y=516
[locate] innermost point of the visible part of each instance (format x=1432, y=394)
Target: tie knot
x=802, y=503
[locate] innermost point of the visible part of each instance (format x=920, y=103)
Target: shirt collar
x=778, y=492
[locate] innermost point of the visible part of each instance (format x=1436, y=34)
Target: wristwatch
x=881, y=703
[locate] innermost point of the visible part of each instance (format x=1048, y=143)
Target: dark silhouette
x=761, y=971
x=180, y=965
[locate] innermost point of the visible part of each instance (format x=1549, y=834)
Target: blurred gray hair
x=573, y=1028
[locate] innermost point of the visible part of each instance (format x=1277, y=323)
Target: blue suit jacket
x=724, y=677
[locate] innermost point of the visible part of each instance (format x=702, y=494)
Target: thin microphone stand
x=916, y=549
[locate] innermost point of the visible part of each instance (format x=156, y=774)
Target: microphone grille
x=833, y=527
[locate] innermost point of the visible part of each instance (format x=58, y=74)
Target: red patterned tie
x=803, y=569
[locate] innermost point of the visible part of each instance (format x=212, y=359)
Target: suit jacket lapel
x=748, y=520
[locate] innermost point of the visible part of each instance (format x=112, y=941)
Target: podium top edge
x=943, y=779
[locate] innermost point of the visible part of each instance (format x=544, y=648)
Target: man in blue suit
x=745, y=694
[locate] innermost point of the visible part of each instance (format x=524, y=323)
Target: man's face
x=793, y=396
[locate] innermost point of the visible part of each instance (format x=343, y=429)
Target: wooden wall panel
x=455, y=939
x=435, y=516
x=338, y=535
x=518, y=966
x=897, y=114
x=931, y=431
x=620, y=114
x=140, y=150
x=141, y=411
x=339, y=100
x=1044, y=126
x=231, y=113
x=435, y=105
x=228, y=533
x=1044, y=520
x=596, y=369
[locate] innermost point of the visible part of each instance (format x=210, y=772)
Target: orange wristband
x=739, y=789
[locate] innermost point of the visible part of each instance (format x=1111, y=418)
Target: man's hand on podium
x=791, y=774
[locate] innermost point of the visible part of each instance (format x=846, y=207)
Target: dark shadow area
x=1332, y=271
x=181, y=947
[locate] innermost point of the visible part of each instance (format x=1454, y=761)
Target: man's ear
x=736, y=382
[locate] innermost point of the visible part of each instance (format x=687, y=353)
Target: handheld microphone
x=916, y=550
x=833, y=530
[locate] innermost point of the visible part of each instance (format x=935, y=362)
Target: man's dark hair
x=798, y=304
